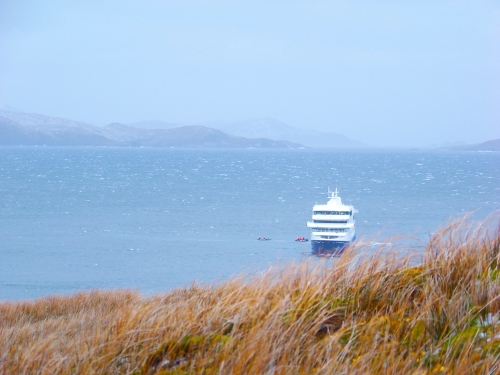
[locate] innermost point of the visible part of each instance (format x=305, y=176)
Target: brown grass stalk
x=383, y=315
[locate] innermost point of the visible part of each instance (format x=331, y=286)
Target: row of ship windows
x=334, y=230
x=330, y=221
x=332, y=213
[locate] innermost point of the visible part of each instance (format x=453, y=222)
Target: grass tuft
x=379, y=315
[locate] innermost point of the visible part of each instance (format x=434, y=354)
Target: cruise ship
x=332, y=225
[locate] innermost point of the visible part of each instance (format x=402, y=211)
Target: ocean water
x=74, y=219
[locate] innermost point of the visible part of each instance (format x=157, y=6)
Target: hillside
x=386, y=315
x=187, y=136
x=493, y=145
x=271, y=129
x=30, y=129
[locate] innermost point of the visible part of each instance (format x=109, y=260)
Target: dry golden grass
x=382, y=316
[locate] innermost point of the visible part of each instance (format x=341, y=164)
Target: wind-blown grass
x=382, y=316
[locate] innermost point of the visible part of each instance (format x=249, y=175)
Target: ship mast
x=333, y=194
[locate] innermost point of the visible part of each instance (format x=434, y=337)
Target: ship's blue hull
x=329, y=247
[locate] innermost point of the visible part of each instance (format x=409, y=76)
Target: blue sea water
x=74, y=219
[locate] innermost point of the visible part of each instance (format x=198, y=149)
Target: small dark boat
x=263, y=239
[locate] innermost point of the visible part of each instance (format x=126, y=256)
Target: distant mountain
x=32, y=129
x=29, y=129
x=493, y=145
x=268, y=128
x=153, y=124
x=187, y=136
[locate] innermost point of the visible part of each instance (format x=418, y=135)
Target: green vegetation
x=381, y=316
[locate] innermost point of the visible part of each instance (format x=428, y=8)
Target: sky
x=387, y=73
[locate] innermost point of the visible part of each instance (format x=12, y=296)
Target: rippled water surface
x=152, y=219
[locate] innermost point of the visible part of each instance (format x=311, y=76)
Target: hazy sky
x=386, y=73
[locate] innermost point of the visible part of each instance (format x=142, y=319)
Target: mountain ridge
x=30, y=129
x=491, y=145
x=268, y=128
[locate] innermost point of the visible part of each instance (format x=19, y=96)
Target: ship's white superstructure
x=332, y=225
